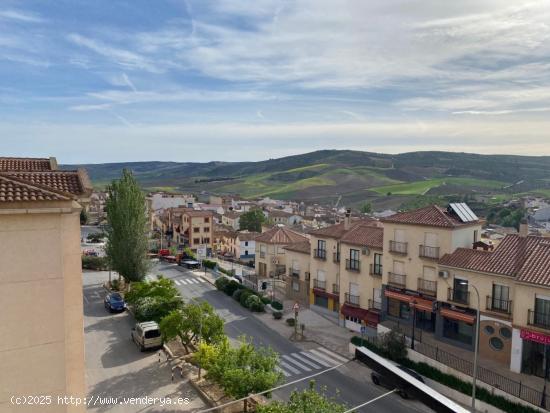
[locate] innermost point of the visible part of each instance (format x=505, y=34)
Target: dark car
x=114, y=302
x=383, y=380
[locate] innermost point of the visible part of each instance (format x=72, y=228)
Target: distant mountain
x=323, y=176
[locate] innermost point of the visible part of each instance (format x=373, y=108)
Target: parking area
x=115, y=368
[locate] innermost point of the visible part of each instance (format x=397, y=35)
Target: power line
x=370, y=401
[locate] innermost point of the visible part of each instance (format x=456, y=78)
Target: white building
x=161, y=200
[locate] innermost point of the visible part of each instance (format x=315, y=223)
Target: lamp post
x=476, y=347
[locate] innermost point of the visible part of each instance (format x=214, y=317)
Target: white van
x=146, y=335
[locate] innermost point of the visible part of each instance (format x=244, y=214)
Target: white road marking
x=289, y=367
x=323, y=355
x=282, y=371
x=177, y=282
x=291, y=360
x=304, y=360
x=184, y=282
x=202, y=280
x=332, y=354
x=322, y=362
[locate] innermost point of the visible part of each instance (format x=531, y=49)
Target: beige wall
x=205, y=231
x=331, y=268
x=299, y=261
x=273, y=252
x=524, y=300
x=42, y=346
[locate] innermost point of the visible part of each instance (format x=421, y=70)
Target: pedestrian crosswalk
x=188, y=281
x=310, y=361
x=150, y=278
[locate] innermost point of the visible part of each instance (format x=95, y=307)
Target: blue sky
x=109, y=80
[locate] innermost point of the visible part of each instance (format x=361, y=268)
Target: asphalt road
x=349, y=384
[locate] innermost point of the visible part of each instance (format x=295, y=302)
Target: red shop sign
x=534, y=336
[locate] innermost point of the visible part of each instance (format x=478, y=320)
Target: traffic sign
x=363, y=329
x=201, y=251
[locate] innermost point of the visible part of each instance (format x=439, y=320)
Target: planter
x=277, y=315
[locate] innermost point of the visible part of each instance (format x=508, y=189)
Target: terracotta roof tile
x=432, y=215
x=536, y=269
x=365, y=235
x=66, y=181
x=280, y=235
x=15, y=190
x=302, y=247
x=248, y=236
x=338, y=230
x=25, y=164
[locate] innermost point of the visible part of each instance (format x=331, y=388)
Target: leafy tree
x=394, y=343
x=306, y=401
x=95, y=237
x=366, y=208
x=154, y=300
x=127, y=241
x=190, y=322
x=83, y=217
x=252, y=220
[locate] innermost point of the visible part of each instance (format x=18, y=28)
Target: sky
x=174, y=80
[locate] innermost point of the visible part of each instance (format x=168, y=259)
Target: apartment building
x=231, y=219
x=414, y=241
x=246, y=245
x=42, y=348
x=192, y=227
x=297, y=258
x=270, y=252
x=163, y=200
x=278, y=216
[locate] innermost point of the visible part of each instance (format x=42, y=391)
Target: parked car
x=114, y=302
x=146, y=335
x=383, y=380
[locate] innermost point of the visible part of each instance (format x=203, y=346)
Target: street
x=349, y=384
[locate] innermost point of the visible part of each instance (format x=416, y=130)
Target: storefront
x=535, y=353
x=355, y=317
x=405, y=307
x=456, y=327
x=325, y=300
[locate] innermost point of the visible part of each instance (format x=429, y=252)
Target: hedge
x=276, y=305
x=450, y=381
x=209, y=264
x=95, y=263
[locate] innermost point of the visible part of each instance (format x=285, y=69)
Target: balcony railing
x=427, y=286
x=353, y=265
x=458, y=296
x=398, y=247
x=375, y=305
x=375, y=269
x=320, y=284
x=534, y=318
x=397, y=280
x=336, y=257
x=320, y=254
x=335, y=289
x=499, y=305
x=428, y=252
x=352, y=299
x=262, y=254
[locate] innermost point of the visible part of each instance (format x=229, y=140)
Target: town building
x=163, y=200
x=297, y=259
x=231, y=219
x=246, y=245
x=42, y=348
x=192, y=228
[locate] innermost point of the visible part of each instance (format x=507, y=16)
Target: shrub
x=209, y=264
x=394, y=343
x=237, y=294
x=95, y=263
x=221, y=283
x=276, y=305
x=265, y=299
x=244, y=297
x=277, y=315
x=255, y=304
x=291, y=322
x=231, y=287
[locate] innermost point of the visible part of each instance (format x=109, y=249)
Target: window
x=500, y=300
x=460, y=288
x=206, y=240
x=398, y=309
x=246, y=252
x=206, y=229
x=458, y=330
x=354, y=255
x=377, y=264
x=246, y=243
x=542, y=311
x=430, y=239
x=399, y=235
x=321, y=275
x=398, y=267
x=196, y=229
x=505, y=332
x=152, y=334
x=354, y=289
x=196, y=241
x=429, y=273
x=496, y=343
x=489, y=330
x=206, y=220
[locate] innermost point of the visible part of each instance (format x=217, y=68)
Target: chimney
x=523, y=228
x=347, y=219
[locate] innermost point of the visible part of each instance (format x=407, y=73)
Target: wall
x=42, y=347
x=331, y=269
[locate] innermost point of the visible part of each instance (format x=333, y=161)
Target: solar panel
x=463, y=211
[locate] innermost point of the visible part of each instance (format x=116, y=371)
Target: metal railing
x=335, y=289
x=375, y=269
x=498, y=305
x=336, y=257
x=397, y=280
x=427, y=286
x=458, y=296
x=262, y=254
x=428, y=252
x=398, y=247
x=537, y=319
x=353, y=265
x=376, y=305
x=352, y=299
x=321, y=285
x=320, y=254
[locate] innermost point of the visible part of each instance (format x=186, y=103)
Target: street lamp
x=476, y=346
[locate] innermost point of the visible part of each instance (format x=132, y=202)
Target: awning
x=458, y=315
x=423, y=305
x=372, y=319
x=535, y=336
x=324, y=293
x=420, y=303
x=354, y=312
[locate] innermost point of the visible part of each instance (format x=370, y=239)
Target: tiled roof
x=197, y=213
x=433, y=216
x=302, y=247
x=337, y=231
x=279, y=213
x=248, y=236
x=365, y=235
x=280, y=235
x=66, y=181
x=15, y=190
x=25, y=164
x=526, y=258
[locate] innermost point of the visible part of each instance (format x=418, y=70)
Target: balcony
x=428, y=252
x=375, y=269
x=458, y=296
x=352, y=299
x=537, y=319
x=375, y=305
x=335, y=289
x=398, y=247
x=262, y=254
x=427, y=286
x=397, y=280
x=498, y=305
x=320, y=254
x=320, y=284
x=335, y=257
x=353, y=265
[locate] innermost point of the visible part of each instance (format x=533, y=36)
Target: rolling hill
x=323, y=176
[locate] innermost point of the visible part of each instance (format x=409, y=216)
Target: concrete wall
x=42, y=346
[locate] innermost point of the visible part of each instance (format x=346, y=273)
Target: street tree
x=153, y=301
x=127, y=228
x=252, y=220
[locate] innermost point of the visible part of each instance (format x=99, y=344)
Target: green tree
x=366, y=208
x=394, y=343
x=83, y=217
x=152, y=301
x=252, y=220
x=192, y=321
x=306, y=401
x=127, y=228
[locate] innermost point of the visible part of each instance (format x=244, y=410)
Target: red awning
x=423, y=305
x=355, y=312
x=420, y=303
x=323, y=293
x=398, y=296
x=458, y=315
x=373, y=319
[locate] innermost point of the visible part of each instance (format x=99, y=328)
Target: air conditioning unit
x=275, y=261
x=444, y=274
x=365, y=251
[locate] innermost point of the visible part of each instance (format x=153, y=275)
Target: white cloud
x=20, y=16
